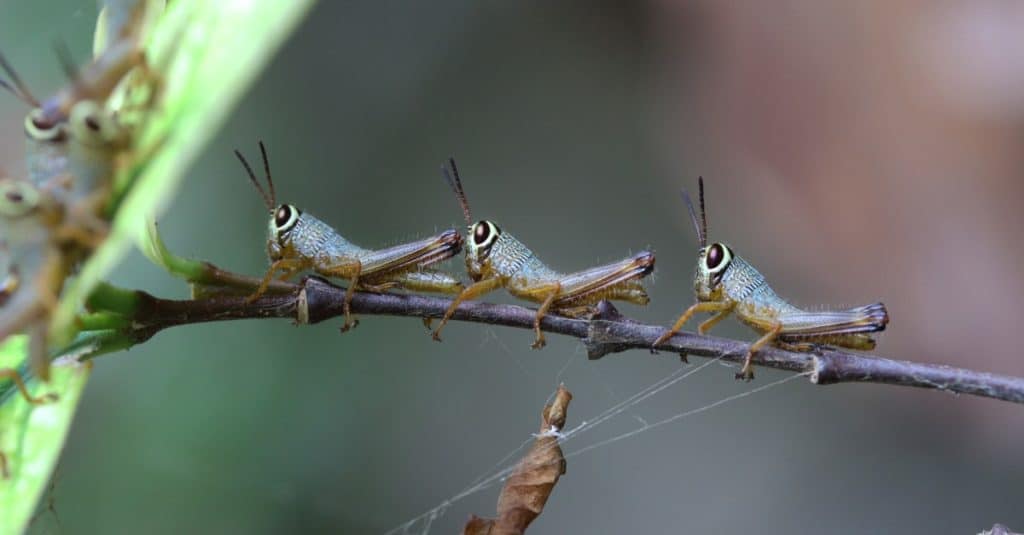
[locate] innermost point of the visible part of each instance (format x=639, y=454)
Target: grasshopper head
x=482, y=237
x=712, y=263
x=712, y=260
x=24, y=212
x=94, y=126
x=282, y=221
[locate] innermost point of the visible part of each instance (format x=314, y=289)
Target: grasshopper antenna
x=703, y=214
x=452, y=177
x=701, y=230
x=66, y=60
x=16, y=86
x=266, y=169
x=268, y=201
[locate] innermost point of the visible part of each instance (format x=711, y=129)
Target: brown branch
x=530, y=484
x=314, y=300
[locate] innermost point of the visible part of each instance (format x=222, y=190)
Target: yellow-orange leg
x=706, y=326
x=538, y=341
x=704, y=306
x=349, y=270
x=473, y=290
x=15, y=377
x=19, y=383
x=346, y=305
x=747, y=372
x=289, y=265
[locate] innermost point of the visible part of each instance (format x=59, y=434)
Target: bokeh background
x=852, y=151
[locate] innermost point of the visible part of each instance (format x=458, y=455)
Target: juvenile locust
x=52, y=220
x=726, y=284
x=495, y=259
x=39, y=252
x=297, y=241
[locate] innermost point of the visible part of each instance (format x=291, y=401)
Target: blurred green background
x=851, y=152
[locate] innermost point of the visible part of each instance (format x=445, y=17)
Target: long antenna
x=701, y=231
x=266, y=169
x=703, y=214
x=268, y=201
x=452, y=177
x=19, y=89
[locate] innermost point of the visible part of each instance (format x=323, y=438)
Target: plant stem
x=314, y=300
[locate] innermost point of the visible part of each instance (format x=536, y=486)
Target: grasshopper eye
x=17, y=199
x=717, y=258
x=485, y=234
x=481, y=232
x=39, y=128
x=285, y=218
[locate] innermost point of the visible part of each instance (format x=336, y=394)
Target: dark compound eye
x=92, y=124
x=283, y=215
x=481, y=231
x=14, y=196
x=715, y=256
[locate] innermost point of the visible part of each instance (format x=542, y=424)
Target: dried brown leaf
x=529, y=486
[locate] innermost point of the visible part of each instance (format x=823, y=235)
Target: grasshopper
x=297, y=241
x=726, y=284
x=45, y=244
x=495, y=259
x=53, y=220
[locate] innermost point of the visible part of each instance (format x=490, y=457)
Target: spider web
x=500, y=471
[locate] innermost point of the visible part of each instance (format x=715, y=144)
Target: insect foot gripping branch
x=496, y=259
x=726, y=284
x=297, y=241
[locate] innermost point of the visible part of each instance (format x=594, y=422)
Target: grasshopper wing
x=865, y=319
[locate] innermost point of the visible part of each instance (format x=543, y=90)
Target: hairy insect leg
x=546, y=294
x=747, y=372
x=350, y=270
x=429, y=280
x=285, y=264
x=580, y=311
x=473, y=290
x=704, y=306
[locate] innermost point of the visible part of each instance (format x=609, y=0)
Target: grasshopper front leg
x=288, y=265
x=472, y=291
x=722, y=307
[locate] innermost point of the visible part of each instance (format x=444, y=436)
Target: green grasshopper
x=726, y=284
x=297, y=241
x=495, y=259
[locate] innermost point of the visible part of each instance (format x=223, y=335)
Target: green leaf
x=31, y=436
x=208, y=53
